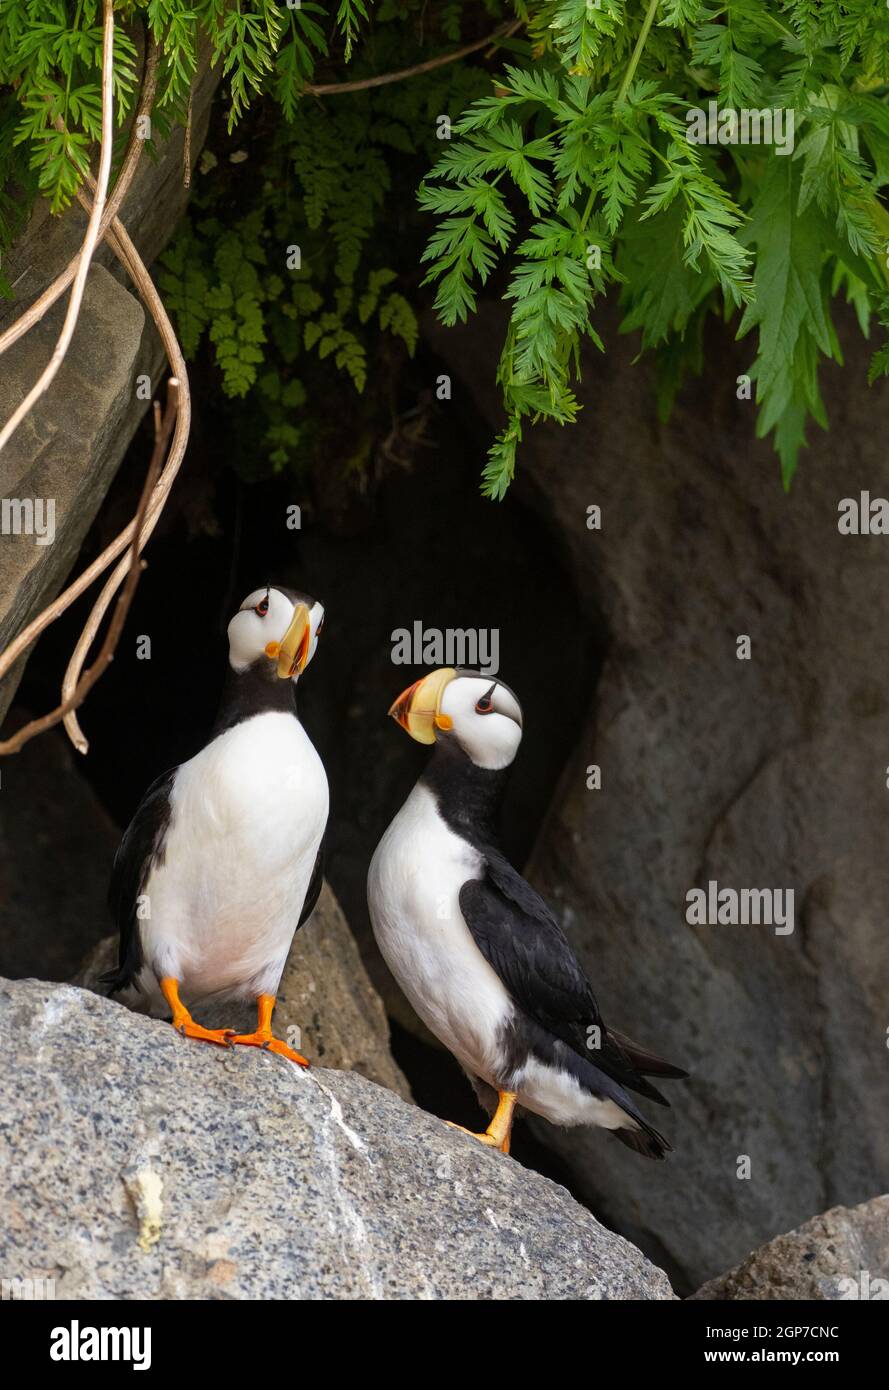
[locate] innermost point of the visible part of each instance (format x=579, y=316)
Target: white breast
x=413, y=890
x=248, y=814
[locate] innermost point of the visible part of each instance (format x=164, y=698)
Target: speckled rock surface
x=138, y=1164
x=841, y=1254
x=325, y=995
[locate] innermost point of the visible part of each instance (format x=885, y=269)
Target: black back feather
x=522, y=941
x=141, y=847
x=314, y=887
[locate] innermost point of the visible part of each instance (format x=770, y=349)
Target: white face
x=486, y=719
x=258, y=628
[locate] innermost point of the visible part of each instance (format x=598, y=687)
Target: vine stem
x=175, y=421
x=126, y=253
x=637, y=51
x=90, y=240
x=363, y=84
x=135, y=146
x=163, y=425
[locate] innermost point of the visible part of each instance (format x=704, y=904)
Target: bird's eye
x=484, y=705
x=262, y=607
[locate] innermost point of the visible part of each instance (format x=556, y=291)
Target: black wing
x=141, y=846
x=522, y=941
x=314, y=887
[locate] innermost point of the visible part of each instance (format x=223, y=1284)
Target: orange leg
x=497, y=1135
x=263, y=1036
x=183, y=1021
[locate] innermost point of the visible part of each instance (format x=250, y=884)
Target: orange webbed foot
x=189, y=1029
x=184, y=1023
x=269, y=1044
x=485, y=1138
x=265, y=1004
x=498, y=1133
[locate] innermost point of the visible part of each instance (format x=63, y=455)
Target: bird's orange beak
x=293, y=653
x=418, y=709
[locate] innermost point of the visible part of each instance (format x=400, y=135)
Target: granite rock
x=138, y=1164
x=841, y=1254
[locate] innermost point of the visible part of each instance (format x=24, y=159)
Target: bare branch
x=186, y=150
x=163, y=430
x=325, y=89
x=90, y=240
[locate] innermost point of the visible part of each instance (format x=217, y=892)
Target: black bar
x=198, y=1338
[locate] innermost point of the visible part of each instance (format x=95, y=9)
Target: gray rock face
x=138, y=1164
x=842, y=1254
x=760, y=773
x=325, y=995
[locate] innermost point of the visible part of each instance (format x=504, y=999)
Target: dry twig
x=325, y=89
x=186, y=149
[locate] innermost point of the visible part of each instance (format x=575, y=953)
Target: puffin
x=477, y=951
x=222, y=861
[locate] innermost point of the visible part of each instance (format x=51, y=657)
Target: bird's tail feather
x=644, y=1140
x=648, y=1063
x=117, y=979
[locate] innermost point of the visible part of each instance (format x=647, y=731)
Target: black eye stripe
x=485, y=703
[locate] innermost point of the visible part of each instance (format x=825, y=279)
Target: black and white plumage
x=476, y=950
x=222, y=861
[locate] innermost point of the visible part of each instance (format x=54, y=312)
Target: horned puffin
x=222, y=862
x=476, y=950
